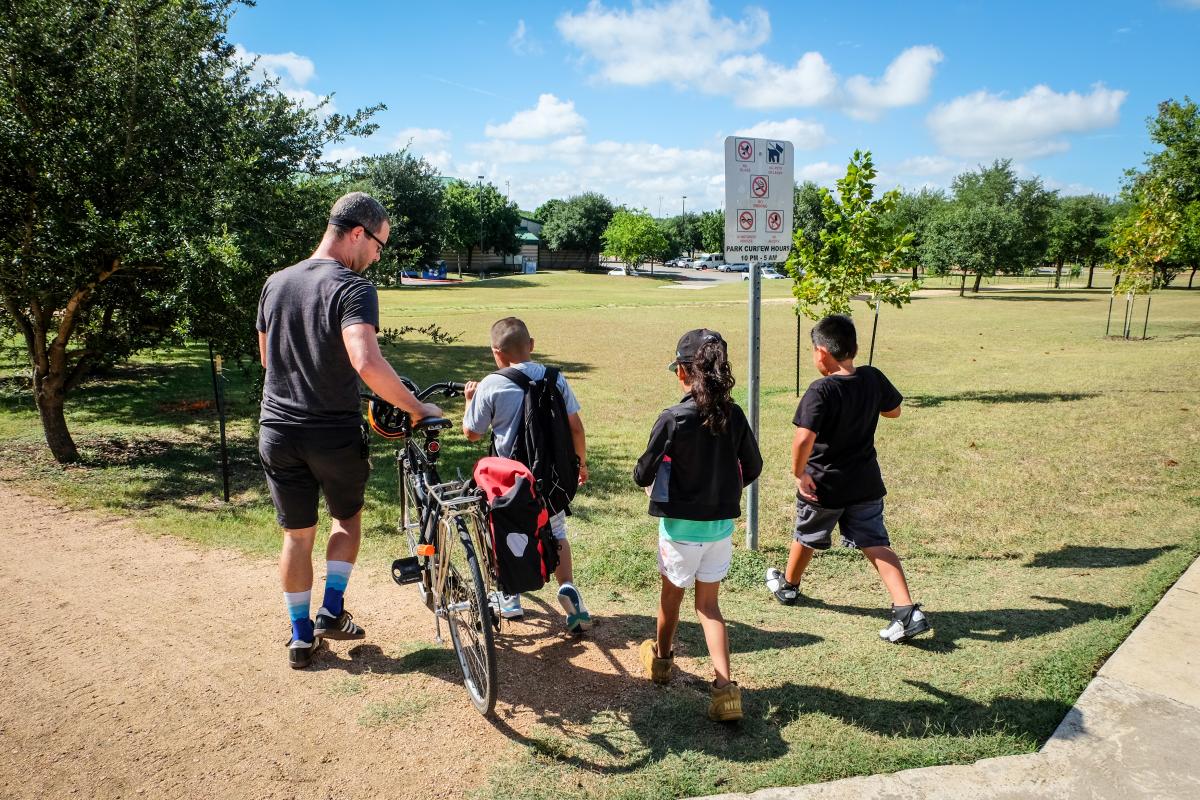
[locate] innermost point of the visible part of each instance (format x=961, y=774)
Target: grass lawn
x=1042, y=490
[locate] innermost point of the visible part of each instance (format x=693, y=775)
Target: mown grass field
x=1043, y=490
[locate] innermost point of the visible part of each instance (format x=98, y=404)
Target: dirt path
x=142, y=667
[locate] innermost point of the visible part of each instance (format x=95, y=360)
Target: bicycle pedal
x=406, y=570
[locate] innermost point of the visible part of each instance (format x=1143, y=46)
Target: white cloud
x=985, y=125
x=291, y=70
x=904, y=83
x=550, y=117
x=675, y=42
x=929, y=166
x=821, y=172
x=803, y=135
x=682, y=43
x=344, y=154
x=521, y=43
x=754, y=82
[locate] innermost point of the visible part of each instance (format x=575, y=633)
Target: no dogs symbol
x=745, y=219
x=758, y=186
x=745, y=150
x=774, y=221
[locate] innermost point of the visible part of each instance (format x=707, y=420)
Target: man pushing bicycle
x=318, y=322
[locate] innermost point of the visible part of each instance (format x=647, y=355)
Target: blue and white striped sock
x=337, y=575
x=297, y=606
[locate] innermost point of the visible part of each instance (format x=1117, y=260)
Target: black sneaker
x=340, y=627
x=906, y=626
x=784, y=592
x=300, y=654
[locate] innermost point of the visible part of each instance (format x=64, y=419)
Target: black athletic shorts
x=861, y=524
x=301, y=463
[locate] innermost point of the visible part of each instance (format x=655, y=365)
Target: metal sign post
x=759, y=185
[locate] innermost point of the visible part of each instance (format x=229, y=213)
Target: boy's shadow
x=991, y=625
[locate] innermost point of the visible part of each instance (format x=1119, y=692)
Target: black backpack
x=543, y=441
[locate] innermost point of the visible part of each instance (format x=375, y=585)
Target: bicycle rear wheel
x=469, y=616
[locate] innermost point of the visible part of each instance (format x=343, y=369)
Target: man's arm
x=895, y=412
x=262, y=349
x=580, y=440
x=362, y=346
x=802, y=445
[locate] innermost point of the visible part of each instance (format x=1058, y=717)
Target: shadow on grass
x=1027, y=296
x=991, y=625
x=607, y=719
x=1099, y=557
x=996, y=397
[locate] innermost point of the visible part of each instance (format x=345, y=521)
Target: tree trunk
x=962, y=285
x=914, y=272
x=48, y=394
x=1058, y=273
x=1192, y=276
x=1091, y=270
x=978, y=278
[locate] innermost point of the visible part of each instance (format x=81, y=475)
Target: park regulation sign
x=759, y=180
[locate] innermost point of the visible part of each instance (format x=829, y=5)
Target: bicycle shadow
x=584, y=701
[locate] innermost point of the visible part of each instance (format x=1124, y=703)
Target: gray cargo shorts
x=861, y=524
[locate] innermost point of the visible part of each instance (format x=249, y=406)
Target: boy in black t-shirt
x=837, y=474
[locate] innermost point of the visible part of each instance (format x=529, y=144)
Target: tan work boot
x=656, y=669
x=726, y=704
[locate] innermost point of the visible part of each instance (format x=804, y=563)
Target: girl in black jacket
x=700, y=456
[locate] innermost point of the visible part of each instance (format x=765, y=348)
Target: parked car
x=627, y=271
x=768, y=273
x=678, y=262
x=709, y=261
x=737, y=266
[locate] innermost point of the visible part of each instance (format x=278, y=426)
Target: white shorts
x=684, y=563
x=558, y=525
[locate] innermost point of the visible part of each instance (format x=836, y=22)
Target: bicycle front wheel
x=469, y=616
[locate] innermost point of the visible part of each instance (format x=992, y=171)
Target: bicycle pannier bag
x=543, y=441
x=518, y=525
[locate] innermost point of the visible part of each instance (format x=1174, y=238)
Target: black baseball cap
x=690, y=343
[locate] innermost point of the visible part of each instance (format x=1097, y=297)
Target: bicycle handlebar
x=447, y=389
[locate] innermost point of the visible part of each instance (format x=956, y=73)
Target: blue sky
x=634, y=99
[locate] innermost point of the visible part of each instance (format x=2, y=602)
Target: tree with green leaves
x=1077, y=226
x=148, y=184
x=409, y=188
x=913, y=212
x=546, y=211
x=970, y=239
x=808, y=219
x=999, y=186
x=634, y=237
x=462, y=230
x=711, y=227
x=854, y=244
x=578, y=223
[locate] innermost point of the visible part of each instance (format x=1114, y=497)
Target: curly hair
x=711, y=379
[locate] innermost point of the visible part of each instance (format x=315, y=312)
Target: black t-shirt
x=843, y=411
x=303, y=310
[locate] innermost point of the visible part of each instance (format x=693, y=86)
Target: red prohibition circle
x=774, y=220
x=746, y=219
x=745, y=150
x=759, y=186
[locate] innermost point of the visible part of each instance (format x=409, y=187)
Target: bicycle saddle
x=432, y=424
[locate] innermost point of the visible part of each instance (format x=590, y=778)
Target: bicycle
x=444, y=525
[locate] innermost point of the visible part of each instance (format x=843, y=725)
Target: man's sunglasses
x=343, y=222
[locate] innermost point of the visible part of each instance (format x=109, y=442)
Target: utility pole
x=687, y=239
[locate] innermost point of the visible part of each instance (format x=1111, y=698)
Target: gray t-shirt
x=303, y=310
x=497, y=404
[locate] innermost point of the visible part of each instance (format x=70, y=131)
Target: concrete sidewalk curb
x=1133, y=733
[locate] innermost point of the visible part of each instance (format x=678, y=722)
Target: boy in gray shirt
x=496, y=402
